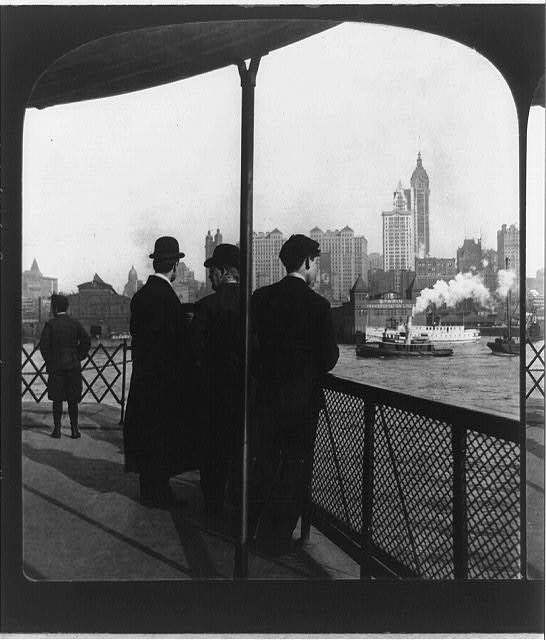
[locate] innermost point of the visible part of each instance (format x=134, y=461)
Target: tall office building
x=421, y=191
x=398, y=234
x=508, y=247
x=210, y=244
x=375, y=261
x=470, y=256
x=267, y=267
x=348, y=258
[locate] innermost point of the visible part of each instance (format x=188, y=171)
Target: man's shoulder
x=317, y=298
x=206, y=303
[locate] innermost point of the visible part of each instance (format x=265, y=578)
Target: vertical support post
x=123, y=380
x=523, y=106
x=248, y=83
x=367, y=487
x=460, y=522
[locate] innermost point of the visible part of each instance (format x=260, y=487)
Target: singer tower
x=420, y=200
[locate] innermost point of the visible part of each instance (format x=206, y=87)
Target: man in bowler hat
x=154, y=420
x=64, y=343
x=216, y=339
x=294, y=347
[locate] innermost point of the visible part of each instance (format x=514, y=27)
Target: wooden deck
x=82, y=518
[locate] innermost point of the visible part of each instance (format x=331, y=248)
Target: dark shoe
x=76, y=433
x=56, y=433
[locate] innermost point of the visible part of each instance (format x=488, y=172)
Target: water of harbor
x=473, y=377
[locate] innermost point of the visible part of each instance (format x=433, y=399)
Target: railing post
x=460, y=522
x=123, y=379
x=248, y=83
x=306, y=503
x=367, y=486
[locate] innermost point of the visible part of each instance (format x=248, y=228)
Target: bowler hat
x=297, y=248
x=166, y=248
x=224, y=255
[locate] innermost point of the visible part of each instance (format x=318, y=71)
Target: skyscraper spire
x=420, y=206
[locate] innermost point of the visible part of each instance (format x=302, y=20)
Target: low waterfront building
x=362, y=311
x=397, y=281
x=100, y=309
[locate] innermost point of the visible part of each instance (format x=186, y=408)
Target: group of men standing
x=185, y=402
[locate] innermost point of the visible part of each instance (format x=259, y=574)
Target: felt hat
x=224, y=255
x=166, y=248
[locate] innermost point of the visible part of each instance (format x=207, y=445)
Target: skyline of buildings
x=405, y=263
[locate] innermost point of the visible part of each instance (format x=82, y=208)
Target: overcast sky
x=339, y=120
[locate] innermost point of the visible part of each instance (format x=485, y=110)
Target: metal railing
x=408, y=487
x=415, y=488
x=104, y=374
x=536, y=373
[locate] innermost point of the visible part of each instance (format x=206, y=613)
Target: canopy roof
x=138, y=59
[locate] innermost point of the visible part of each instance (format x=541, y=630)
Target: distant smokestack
x=506, y=279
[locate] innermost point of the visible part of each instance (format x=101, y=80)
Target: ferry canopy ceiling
x=105, y=51
x=143, y=58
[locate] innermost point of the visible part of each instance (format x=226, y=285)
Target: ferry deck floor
x=82, y=518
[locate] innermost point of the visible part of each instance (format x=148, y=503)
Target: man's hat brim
x=167, y=256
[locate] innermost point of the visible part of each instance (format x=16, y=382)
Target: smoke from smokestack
x=464, y=286
x=506, y=279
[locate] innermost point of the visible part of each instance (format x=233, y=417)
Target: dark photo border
x=512, y=37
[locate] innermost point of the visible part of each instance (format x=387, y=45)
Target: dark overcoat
x=63, y=344
x=294, y=346
x=156, y=428
x=216, y=336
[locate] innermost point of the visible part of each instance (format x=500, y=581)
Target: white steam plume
x=464, y=286
x=506, y=279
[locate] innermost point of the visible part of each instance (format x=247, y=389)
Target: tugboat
x=399, y=344
x=507, y=345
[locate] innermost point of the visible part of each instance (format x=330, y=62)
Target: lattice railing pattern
x=103, y=373
x=412, y=514
x=412, y=520
x=492, y=476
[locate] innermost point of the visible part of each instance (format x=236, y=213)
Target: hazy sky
x=339, y=120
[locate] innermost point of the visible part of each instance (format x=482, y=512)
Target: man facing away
x=294, y=347
x=216, y=338
x=154, y=421
x=63, y=344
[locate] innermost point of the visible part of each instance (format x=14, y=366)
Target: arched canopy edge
x=143, y=58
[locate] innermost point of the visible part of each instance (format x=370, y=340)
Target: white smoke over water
x=506, y=278
x=464, y=286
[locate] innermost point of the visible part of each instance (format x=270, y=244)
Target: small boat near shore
x=507, y=345
x=401, y=345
